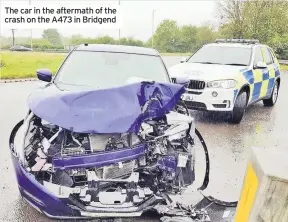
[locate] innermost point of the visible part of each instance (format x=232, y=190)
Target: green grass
x=24, y=64
x=284, y=67
x=14, y=65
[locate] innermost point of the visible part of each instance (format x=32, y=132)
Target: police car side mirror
x=183, y=60
x=261, y=65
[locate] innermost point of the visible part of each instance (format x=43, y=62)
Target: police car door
x=260, y=74
x=273, y=70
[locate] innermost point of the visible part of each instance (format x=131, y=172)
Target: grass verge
x=16, y=65
x=284, y=67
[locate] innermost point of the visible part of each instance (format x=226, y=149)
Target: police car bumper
x=210, y=99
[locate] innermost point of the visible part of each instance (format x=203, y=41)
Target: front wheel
x=273, y=99
x=239, y=108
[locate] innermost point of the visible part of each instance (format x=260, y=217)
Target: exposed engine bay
x=126, y=173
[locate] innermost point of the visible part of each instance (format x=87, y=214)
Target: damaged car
x=108, y=136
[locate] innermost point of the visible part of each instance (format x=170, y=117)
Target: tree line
x=261, y=19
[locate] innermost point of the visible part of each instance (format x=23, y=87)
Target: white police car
x=229, y=75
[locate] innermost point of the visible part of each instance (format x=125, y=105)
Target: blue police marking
x=265, y=75
x=249, y=76
x=256, y=91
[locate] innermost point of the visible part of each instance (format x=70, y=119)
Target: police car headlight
x=226, y=84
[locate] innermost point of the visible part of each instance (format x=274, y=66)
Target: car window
x=224, y=55
x=267, y=56
x=108, y=69
x=258, y=57
x=272, y=55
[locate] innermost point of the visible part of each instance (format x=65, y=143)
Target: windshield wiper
x=235, y=64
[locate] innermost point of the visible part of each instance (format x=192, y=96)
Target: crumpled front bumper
x=66, y=208
x=53, y=206
x=40, y=198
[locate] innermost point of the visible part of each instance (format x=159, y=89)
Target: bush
x=280, y=46
x=282, y=52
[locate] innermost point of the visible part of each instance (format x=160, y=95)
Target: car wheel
x=273, y=99
x=239, y=108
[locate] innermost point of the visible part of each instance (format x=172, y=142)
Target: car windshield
x=108, y=69
x=224, y=55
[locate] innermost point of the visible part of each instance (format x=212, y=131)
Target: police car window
x=267, y=56
x=258, y=56
x=272, y=55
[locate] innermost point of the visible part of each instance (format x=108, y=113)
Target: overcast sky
x=137, y=17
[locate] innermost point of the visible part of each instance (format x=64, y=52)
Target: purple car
x=109, y=136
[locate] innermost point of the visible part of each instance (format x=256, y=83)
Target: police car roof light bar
x=247, y=41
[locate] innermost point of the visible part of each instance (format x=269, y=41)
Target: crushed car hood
x=114, y=110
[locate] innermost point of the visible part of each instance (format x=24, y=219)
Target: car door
x=260, y=76
x=273, y=71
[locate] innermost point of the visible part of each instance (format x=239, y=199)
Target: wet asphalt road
x=229, y=145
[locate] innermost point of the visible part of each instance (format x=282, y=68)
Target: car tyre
x=274, y=96
x=239, y=108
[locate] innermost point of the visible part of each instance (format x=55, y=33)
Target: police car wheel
x=239, y=108
x=273, y=99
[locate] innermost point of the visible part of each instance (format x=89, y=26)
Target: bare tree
x=231, y=11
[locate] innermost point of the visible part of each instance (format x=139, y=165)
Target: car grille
x=196, y=84
x=195, y=105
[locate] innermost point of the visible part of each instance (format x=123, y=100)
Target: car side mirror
x=180, y=80
x=261, y=65
x=183, y=60
x=44, y=75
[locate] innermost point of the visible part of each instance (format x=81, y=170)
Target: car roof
x=237, y=45
x=117, y=48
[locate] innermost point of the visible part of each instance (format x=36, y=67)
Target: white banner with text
x=19, y=15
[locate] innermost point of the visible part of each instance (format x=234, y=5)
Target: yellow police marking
x=251, y=92
x=248, y=194
x=258, y=75
x=240, y=81
x=271, y=72
x=264, y=88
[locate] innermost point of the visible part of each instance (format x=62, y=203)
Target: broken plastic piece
x=182, y=160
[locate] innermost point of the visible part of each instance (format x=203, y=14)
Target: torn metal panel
x=98, y=159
